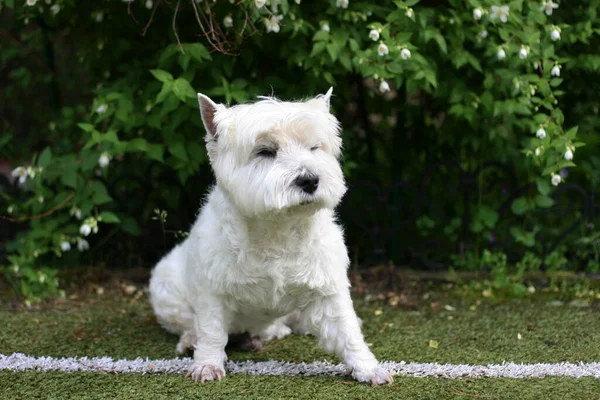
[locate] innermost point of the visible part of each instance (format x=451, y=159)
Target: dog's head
x=273, y=156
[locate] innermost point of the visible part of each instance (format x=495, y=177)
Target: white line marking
x=21, y=362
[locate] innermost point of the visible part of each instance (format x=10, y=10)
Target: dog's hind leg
x=167, y=296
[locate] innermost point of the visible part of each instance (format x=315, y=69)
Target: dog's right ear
x=208, y=109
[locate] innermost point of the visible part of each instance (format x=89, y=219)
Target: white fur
x=264, y=256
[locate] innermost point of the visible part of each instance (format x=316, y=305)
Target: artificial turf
x=118, y=326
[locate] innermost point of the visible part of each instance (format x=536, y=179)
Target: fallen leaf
x=519, y=336
x=449, y=307
x=433, y=344
x=378, y=312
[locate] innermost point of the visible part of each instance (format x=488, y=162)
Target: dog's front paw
x=374, y=376
x=206, y=372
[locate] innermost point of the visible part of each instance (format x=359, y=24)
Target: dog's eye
x=266, y=152
x=317, y=147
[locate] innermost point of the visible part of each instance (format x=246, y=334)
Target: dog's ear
x=323, y=100
x=327, y=96
x=208, y=109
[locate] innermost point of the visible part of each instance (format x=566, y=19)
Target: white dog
x=265, y=254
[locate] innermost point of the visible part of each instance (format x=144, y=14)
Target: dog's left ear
x=327, y=96
x=208, y=109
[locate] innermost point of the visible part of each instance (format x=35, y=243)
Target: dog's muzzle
x=307, y=182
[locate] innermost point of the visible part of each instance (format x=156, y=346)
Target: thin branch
x=175, y=27
x=131, y=13
x=51, y=211
x=151, y=17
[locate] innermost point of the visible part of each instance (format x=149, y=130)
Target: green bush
x=99, y=94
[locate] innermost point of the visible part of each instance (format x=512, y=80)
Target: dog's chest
x=273, y=283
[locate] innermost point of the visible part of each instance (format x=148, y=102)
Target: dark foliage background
x=445, y=170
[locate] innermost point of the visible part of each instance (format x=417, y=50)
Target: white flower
x=78, y=214
x=103, y=161
x=555, y=71
x=85, y=229
x=409, y=12
x=82, y=245
x=260, y=3
x=555, y=35
x=55, y=9
x=556, y=179
x=298, y=1
x=548, y=6
x=382, y=50
x=342, y=3
x=21, y=173
x=477, y=13
x=541, y=133
x=31, y=2
x=42, y=278
x=149, y=4
x=501, y=54
x=384, y=87
x=41, y=199
x=523, y=53
x=31, y=172
x=568, y=155
x=9, y=209
x=102, y=109
x=65, y=246
x=374, y=35
x=405, y=54
x=272, y=24
x=228, y=21
x=325, y=27
x=98, y=17
x=538, y=151
x=500, y=12
x=483, y=34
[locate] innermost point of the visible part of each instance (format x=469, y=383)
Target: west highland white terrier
x=265, y=255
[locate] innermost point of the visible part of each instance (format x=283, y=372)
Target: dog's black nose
x=308, y=183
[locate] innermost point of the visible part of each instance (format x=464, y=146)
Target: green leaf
x=197, y=51
x=155, y=152
x=183, y=89
x=519, y=206
x=178, y=150
x=543, y=201
x=45, y=158
x=99, y=193
x=332, y=49
x=69, y=178
x=109, y=218
x=317, y=49
x=543, y=186
x=167, y=88
x=444, y=48
x=161, y=75
x=131, y=226
x=571, y=133
x=321, y=36
x=137, y=144
x=86, y=127
x=540, y=118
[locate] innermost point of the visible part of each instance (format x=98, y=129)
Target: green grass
x=35, y=385
x=115, y=326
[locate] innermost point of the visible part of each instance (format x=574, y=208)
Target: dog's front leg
x=211, y=322
x=337, y=326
